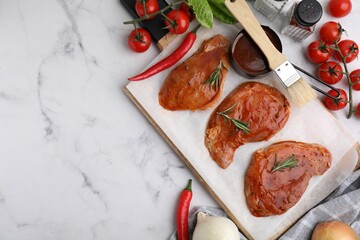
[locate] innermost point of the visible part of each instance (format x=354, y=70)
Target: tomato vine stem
x=147, y=16
x=346, y=72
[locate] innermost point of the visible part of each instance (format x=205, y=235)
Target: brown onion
x=334, y=230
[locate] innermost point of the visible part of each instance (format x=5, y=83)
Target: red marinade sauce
x=249, y=57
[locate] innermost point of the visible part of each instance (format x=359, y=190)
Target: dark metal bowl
x=248, y=60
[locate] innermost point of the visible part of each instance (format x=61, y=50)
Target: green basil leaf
x=203, y=12
x=221, y=12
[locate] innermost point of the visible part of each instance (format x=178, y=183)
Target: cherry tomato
x=330, y=72
x=318, y=52
x=338, y=104
x=349, y=49
x=177, y=21
x=331, y=31
x=339, y=8
x=358, y=110
x=151, y=6
x=140, y=40
x=355, y=79
x=187, y=10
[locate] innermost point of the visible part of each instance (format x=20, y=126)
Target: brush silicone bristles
x=301, y=92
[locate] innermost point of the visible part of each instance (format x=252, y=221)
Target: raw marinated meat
x=188, y=87
x=262, y=108
x=270, y=192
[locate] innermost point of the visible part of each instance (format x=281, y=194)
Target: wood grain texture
x=242, y=12
x=166, y=40
x=357, y=147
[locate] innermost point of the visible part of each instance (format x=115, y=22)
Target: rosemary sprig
x=239, y=125
x=290, y=162
x=215, y=77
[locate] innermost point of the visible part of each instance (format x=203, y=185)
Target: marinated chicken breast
x=270, y=192
x=188, y=86
x=262, y=108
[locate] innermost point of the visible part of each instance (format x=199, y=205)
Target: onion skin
x=215, y=228
x=334, y=230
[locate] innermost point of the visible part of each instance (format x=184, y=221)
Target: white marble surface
x=77, y=158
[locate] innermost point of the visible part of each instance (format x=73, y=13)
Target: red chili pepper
x=182, y=214
x=171, y=59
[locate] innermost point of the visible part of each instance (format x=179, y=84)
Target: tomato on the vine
x=139, y=40
x=177, y=21
x=330, y=72
x=355, y=79
x=337, y=104
x=318, y=52
x=151, y=6
x=339, y=8
x=358, y=110
x=330, y=32
x=349, y=49
x=187, y=10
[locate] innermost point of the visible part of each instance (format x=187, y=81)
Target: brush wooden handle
x=242, y=12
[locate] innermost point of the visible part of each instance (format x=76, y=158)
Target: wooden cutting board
x=185, y=130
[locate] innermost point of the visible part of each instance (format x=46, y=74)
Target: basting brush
x=299, y=90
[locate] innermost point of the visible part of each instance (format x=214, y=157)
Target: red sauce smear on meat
x=262, y=107
x=273, y=193
x=186, y=89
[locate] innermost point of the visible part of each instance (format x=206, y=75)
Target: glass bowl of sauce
x=247, y=58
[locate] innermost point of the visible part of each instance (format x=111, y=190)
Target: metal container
x=246, y=57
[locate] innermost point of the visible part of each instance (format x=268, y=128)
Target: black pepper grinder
x=301, y=20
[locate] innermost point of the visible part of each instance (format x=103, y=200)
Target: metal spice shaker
x=301, y=19
x=270, y=8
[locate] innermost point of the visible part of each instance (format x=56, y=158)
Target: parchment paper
x=185, y=131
